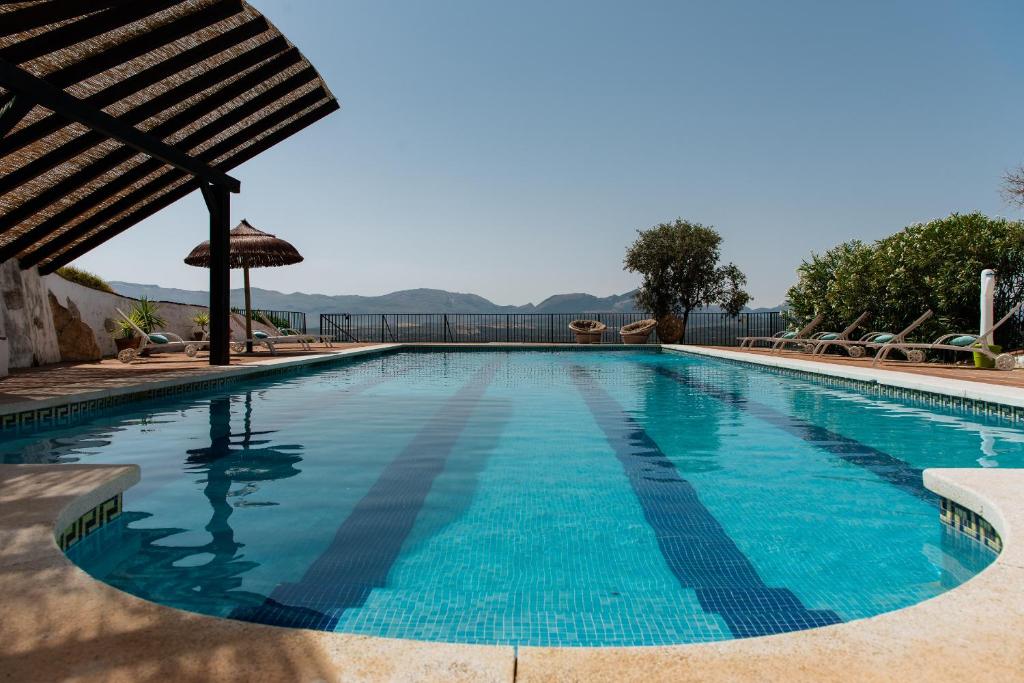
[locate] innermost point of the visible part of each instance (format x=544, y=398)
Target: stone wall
x=99, y=311
x=47, y=319
x=25, y=317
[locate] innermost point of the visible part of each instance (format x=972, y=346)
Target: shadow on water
x=203, y=576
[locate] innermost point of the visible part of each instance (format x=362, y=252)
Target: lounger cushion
x=883, y=338
x=963, y=340
x=158, y=339
x=789, y=335
x=260, y=334
x=828, y=336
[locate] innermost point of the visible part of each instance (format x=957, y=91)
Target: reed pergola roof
x=201, y=85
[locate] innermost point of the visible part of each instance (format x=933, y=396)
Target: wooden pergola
x=111, y=110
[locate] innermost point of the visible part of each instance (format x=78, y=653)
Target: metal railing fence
x=717, y=329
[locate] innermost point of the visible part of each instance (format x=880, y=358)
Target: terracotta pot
x=670, y=329
x=197, y=336
x=121, y=343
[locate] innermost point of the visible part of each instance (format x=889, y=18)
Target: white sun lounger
x=916, y=352
x=287, y=335
x=780, y=339
x=857, y=348
x=174, y=343
x=819, y=337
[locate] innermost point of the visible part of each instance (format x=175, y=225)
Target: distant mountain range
x=404, y=301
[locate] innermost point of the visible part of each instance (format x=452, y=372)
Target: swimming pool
x=533, y=498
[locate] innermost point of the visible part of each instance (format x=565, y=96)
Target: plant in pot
x=679, y=262
x=125, y=336
x=202, y=321
x=146, y=315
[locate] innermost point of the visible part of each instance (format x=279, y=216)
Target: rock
x=75, y=339
x=62, y=317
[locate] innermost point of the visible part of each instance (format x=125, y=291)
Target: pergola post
x=218, y=201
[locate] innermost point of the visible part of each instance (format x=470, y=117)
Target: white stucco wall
x=97, y=308
x=26, y=318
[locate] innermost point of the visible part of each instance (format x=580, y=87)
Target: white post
x=988, y=291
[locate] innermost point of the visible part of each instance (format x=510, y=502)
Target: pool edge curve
x=60, y=621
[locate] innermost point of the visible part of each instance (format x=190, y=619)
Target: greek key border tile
x=102, y=514
x=66, y=414
x=923, y=398
x=970, y=523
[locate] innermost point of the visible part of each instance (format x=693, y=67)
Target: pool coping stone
x=954, y=388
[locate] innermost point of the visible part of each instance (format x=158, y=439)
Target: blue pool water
x=532, y=498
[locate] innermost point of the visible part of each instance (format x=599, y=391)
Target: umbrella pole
x=248, y=311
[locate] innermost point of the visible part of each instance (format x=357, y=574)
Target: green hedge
x=932, y=265
x=85, y=278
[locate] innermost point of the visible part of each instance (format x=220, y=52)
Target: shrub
x=932, y=265
x=146, y=314
x=85, y=278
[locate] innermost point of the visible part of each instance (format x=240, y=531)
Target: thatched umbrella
x=250, y=248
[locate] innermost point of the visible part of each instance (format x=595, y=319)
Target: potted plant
x=637, y=332
x=146, y=315
x=124, y=336
x=202, y=321
x=587, y=331
x=670, y=328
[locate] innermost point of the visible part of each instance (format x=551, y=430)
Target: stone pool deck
x=57, y=623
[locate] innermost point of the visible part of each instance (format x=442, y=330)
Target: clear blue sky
x=512, y=149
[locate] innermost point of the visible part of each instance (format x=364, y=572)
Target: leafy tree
x=927, y=265
x=679, y=262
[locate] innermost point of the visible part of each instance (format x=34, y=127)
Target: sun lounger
x=820, y=337
x=956, y=342
x=781, y=339
x=164, y=342
x=291, y=335
x=857, y=348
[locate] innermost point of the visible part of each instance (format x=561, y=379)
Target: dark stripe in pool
x=370, y=539
x=886, y=467
x=697, y=549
